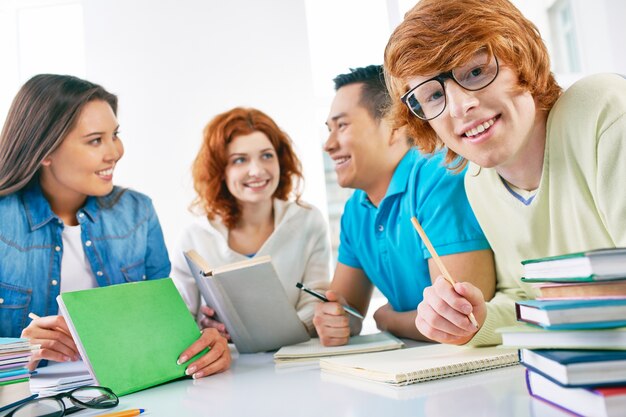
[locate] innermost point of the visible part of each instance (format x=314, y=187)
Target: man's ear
x=398, y=135
x=47, y=161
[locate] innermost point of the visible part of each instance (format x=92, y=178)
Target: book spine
x=76, y=337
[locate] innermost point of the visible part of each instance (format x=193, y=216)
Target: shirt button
x=57, y=248
x=59, y=221
x=1, y=300
x=88, y=243
x=99, y=273
x=381, y=228
x=143, y=277
x=81, y=214
x=54, y=282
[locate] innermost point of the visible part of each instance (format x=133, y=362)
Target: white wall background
x=176, y=64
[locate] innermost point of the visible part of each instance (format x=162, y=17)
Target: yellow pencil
x=125, y=413
x=437, y=260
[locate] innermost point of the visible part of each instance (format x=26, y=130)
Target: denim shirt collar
x=39, y=212
x=400, y=178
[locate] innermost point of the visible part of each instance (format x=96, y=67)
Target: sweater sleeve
x=317, y=271
x=611, y=179
x=500, y=313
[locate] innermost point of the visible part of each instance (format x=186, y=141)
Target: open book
x=424, y=363
x=130, y=335
x=251, y=301
x=313, y=349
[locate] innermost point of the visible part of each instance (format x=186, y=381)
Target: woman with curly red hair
x=248, y=179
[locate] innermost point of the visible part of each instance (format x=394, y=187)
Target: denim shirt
x=123, y=243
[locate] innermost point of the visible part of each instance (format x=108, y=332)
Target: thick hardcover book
x=251, y=301
x=534, y=337
x=130, y=335
x=605, y=402
x=596, y=265
x=578, y=368
x=573, y=314
x=573, y=290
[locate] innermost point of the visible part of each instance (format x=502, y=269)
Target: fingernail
x=181, y=360
x=197, y=375
x=66, y=358
x=190, y=370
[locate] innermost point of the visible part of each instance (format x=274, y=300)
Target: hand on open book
x=216, y=360
x=209, y=322
x=53, y=335
x=443, y=314
x=331, y=320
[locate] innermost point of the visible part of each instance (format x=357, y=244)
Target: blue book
x=578, y=368
x=573, y=314
x=599, y=401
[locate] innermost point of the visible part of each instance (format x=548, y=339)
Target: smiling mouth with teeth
x=105, y=172
x=480, y=128
x=257, y=184
x=341, y=161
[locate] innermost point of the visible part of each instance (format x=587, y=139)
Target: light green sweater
x=581, y=200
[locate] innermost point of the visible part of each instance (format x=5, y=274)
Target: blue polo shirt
x=382, y=241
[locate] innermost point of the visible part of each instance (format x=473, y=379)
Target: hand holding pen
x=53, y=336
x=325, y=299
x=331, y=322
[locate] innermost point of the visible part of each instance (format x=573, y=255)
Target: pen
x=437, y=259
x=348, y=309
x=125, y=413
x=34, y=316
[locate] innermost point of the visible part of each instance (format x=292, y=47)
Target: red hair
x=209, y=167
x=437, y=36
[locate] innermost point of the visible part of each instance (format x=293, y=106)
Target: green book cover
x=130, y=335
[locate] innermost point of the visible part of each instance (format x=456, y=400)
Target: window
x=563, y=25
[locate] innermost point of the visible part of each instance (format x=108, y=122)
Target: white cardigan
x=299, y=247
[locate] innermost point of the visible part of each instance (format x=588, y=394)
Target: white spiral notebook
x=313, y=349
x=424, y=363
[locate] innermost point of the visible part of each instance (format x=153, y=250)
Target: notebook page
x=420, y=364
x=363, y=343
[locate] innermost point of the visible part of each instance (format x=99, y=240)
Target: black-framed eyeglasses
x=54, y=406
x=427, y=100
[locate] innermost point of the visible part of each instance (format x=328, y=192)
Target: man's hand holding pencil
x=451, y=312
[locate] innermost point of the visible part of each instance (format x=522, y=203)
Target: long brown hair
x=210, y=164
x=43, y=112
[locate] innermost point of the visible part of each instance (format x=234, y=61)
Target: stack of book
x=14, y=375
x=573, y=338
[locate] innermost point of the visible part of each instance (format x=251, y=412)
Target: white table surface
x=255, y=386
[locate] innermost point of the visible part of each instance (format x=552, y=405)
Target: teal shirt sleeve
x=443, y=210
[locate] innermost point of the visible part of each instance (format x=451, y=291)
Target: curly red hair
x=437, y=36
x=209, y=167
